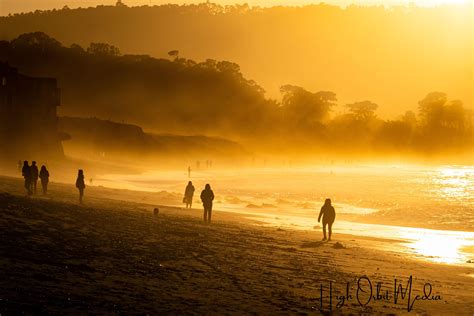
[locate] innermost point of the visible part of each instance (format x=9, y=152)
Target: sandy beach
x=112, y=255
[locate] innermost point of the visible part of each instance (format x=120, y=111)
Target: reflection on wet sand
x=450, y=247
x=431, y=197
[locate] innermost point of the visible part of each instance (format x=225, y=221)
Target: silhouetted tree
x=77, y=48
x=431, y=109
x=174, y=54
x=443, y=122
x=103, y=49
x=35, y=41
x=214, y=98
x=119, y=3
x=363, y=111
x=305, y=108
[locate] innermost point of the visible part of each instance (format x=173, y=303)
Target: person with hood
x=34, y=176
x=26, y=173
x=329, y=215
x=80, y=184
x=188, y=194
x=44, y=176
x=207, y=196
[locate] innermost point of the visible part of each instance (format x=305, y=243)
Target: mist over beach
x=230, y=158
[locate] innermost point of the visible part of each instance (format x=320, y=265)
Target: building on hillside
x=28, y=119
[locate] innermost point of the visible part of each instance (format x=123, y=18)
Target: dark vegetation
x=104, y=140
x=179, y=95
x=393, y=56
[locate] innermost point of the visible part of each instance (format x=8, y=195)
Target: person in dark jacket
x=34, y=176
x=26, y=173
x=329, y=215
x=80, y=184
x=207, y=196
x=188, y=194
x=44, y=176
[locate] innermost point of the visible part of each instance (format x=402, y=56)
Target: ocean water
x=421, y=206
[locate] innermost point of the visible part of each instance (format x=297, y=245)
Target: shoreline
x=262, y=190
x=350, y=227
x=453, y=247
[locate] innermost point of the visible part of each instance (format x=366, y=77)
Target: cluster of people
x=31, y=176
x=207, y=196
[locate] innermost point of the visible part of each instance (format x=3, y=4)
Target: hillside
x=212, y=98
x=163, y=95
x=390, y=56
x=106, y=140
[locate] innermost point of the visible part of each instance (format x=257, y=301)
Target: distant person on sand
x=26, y=173
x=207, y=196
x=189, y=172
x=188, y=194
x=19, y=165
x=80, y=185
x=329, y=215
x=34, y=175
x=44, y=176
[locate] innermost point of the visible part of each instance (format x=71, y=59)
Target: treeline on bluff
x=393, y=55
x=213, y=98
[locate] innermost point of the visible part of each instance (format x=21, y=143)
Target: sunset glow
x=258, y=157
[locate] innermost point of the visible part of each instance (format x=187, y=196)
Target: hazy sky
x=13, y=6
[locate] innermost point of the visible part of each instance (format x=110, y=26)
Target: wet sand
x=112, y=255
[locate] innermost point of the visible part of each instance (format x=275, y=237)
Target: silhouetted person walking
x=329, y=215
x=44, y=176
x=189, y=172
x=80, y=184
x=19, y=165
x=207, y=196
x=26, y=173
x=188, y=194
x=34, y=175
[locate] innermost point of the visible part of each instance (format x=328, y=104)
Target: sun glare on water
x=439, y=246
x=454, y=183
